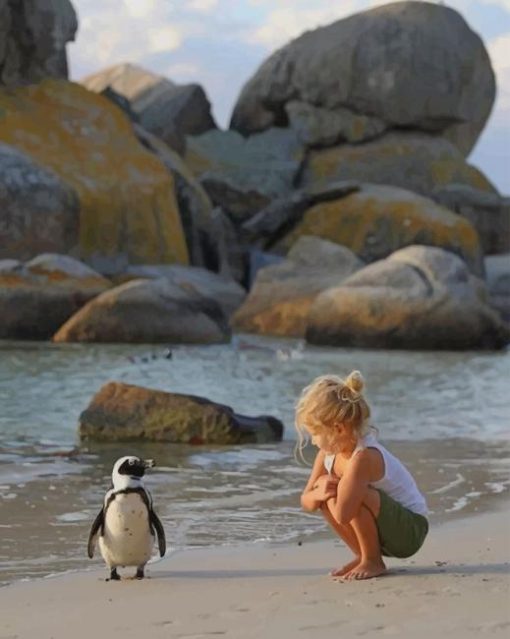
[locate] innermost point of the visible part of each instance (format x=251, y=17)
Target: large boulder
x=319, y=127
x=408, y=64
x=128, y=208
x=37, y=297
x=242, y=175
x=418, y=298
x=416, y=161
x=497, y=269
x=168, y=110
x=272, y=222
x=212, y=239
x=283, y=293
x=39, y=212
x=195, y=207
x=147, y=311
x=33, y=38
x=377, y=220
x=226, y=292
x=122, y=412
x=488, y=212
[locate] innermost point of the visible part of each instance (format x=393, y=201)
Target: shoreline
x=458, y=585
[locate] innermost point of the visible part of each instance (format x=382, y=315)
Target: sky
x=219, y=44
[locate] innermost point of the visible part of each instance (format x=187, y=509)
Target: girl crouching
x=365, y=493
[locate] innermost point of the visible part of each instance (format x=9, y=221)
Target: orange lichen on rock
x=417, y=162
x=127, y=197
x=378, y=220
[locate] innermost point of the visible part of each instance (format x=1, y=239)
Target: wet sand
x=458, y=585
x=45, y=519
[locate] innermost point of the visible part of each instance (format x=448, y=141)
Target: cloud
x=114, y=31
x=287, y=22
x=182, y=71
x=504, y=4
x=499, y=51
x=165, y=38
x=139, y=8
x=203, y=6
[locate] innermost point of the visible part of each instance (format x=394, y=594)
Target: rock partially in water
x=280, y=299
x=123, y=412
x=420, y=297
x=225, y=291
x=148, y=311
x=37, y=297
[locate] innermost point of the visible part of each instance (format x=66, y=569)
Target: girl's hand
x=325, y=487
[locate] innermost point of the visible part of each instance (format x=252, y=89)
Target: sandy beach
x=458, y=585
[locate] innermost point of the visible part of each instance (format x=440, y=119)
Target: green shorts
x=401, y=532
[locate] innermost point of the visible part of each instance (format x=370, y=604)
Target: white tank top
x=397, y=481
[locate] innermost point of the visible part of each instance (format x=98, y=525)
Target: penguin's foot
x=114, y=575
x=140, y=573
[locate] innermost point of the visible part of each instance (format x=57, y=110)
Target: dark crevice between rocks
x=434, y=127
x=20, y=34
x=281, y=119
x=264, y=225
x=208, y=306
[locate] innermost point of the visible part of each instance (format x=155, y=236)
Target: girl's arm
x=352, y=489
x=317, y=492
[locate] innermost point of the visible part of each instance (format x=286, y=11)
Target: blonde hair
x=330, y=400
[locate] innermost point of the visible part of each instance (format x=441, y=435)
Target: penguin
x=126, y=525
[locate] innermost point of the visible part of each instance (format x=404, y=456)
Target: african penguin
x=126, y=524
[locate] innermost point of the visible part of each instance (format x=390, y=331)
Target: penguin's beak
x=149, y=463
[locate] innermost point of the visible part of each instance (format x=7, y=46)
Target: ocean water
x=446, y=415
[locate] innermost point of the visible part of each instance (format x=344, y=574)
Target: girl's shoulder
x=372, y=460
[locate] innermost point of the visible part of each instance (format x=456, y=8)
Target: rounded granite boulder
x=128, y=212
x=377, y=220
x=123, y=412
x=147, y=311
x=38, y=296
x=407, y=64
x=420, y=297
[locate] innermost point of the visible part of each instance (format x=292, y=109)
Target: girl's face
x=332, y=440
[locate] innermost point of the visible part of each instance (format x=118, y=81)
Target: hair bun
x=355, y=381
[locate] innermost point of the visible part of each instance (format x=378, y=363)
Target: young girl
x=365, y=493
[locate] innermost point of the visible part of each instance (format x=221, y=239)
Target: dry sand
x=458, y=585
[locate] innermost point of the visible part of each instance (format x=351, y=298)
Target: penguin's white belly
x=127, y=539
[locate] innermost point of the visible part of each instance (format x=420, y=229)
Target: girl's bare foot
x=340, y=572
x=366, y=570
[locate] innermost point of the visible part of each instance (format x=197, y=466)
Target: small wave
x=458, y=505
x=460, y=479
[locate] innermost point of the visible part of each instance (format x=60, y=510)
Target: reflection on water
x=445, y=415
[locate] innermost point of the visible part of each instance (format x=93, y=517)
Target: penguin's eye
x=131, y=462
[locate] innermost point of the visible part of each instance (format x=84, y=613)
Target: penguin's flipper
x=158, y=527
x=96, y=526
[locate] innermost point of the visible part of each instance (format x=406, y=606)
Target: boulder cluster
x=338, y=207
